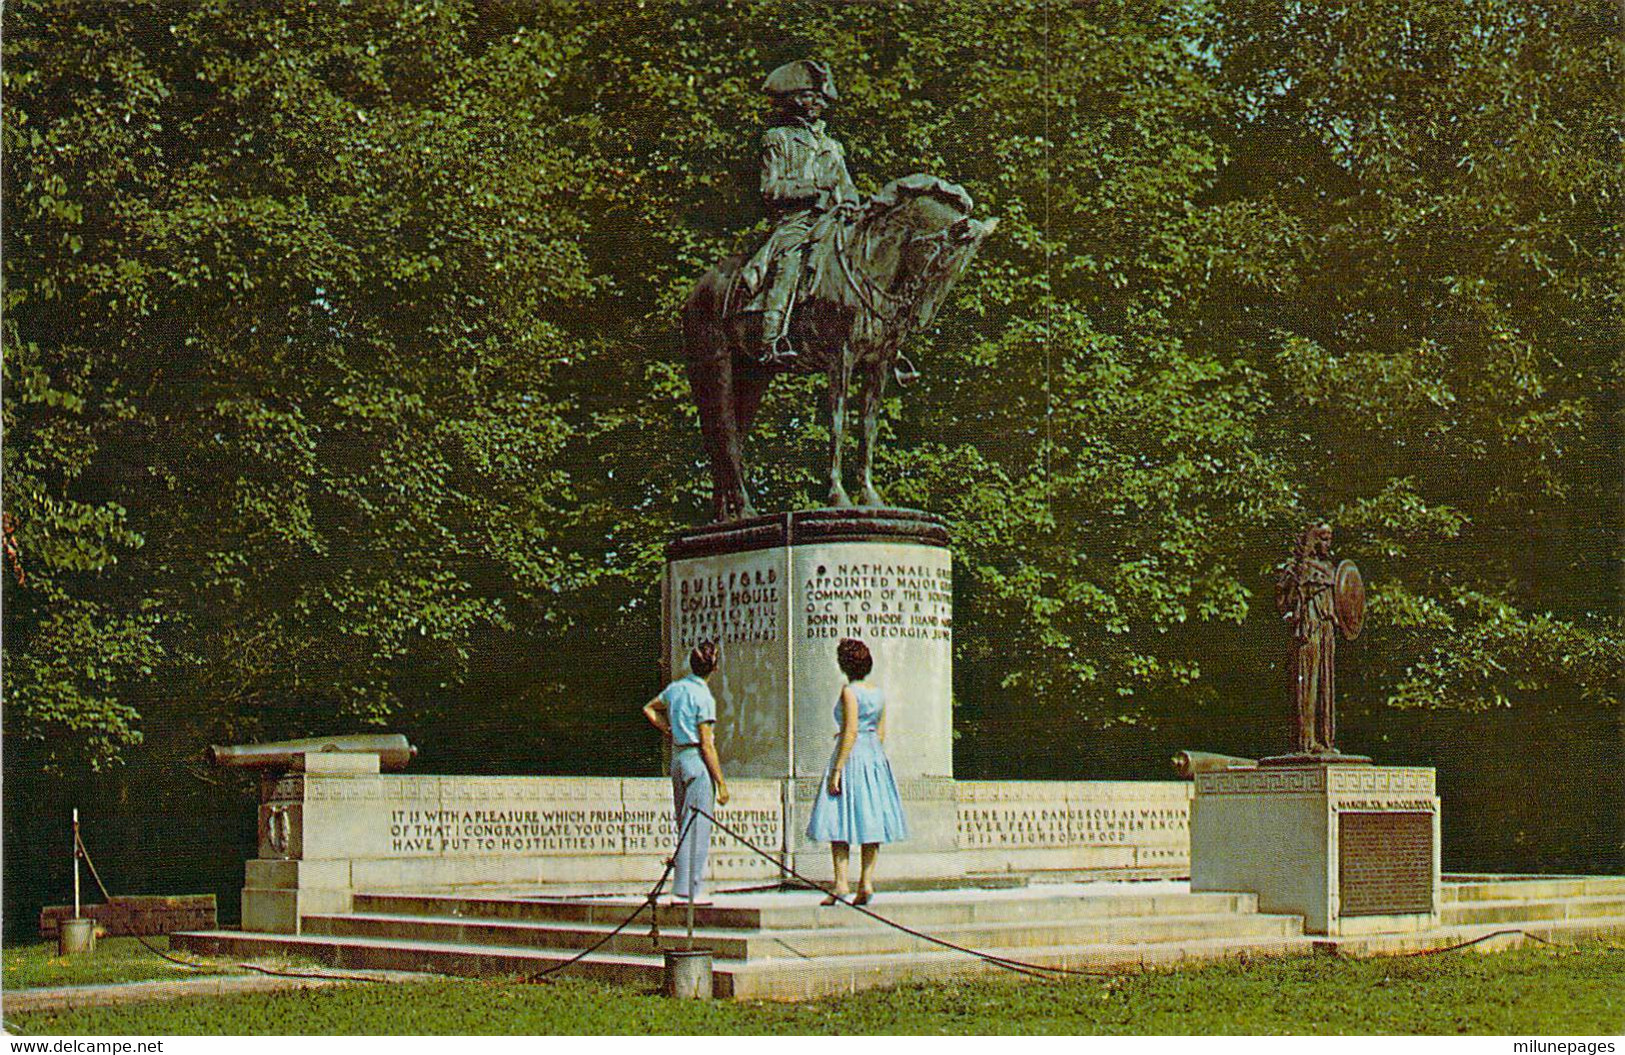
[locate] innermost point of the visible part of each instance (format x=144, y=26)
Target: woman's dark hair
x=703, y=660
x=854, y=658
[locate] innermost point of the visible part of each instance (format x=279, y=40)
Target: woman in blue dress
x=858, y=802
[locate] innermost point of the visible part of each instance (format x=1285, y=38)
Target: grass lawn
x=1544, y=991
x=115, y=960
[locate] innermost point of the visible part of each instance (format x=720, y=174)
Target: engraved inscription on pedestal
x=898, y=598
x=740, y=601
x=739, y=605
x=878, y=602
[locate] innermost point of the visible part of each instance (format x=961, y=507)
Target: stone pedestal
x=1354, y=849
x=778, y=593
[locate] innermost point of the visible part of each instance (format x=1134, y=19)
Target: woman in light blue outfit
x=859, y=801
x=687, y=713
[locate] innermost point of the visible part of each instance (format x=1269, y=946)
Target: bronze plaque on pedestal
x=1384, y=863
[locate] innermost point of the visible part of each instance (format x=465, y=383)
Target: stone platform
x=785, y=946
x=337, y=827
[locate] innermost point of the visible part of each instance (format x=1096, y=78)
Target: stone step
x=1532, y=888
x=807, y=980
x=398, y=954
x=805, y=913
x=1514, y=911
x=1485, y=937
x=769, y=980
x=805, y=943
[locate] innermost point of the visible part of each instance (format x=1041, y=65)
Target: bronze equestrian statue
x=838, y=287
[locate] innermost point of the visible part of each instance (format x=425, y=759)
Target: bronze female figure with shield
x=1318, y=600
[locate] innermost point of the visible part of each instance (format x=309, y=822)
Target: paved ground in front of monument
x=117, y=994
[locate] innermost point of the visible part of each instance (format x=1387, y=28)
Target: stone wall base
x=325, y=836
x=139, y=915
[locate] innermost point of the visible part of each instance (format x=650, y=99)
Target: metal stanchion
x=76, y=935
x=688, y=971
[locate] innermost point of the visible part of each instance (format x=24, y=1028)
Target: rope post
x=689, y=971
x=76, y=912
x=76, y=935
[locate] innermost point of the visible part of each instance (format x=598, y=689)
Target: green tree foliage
x=286, y=294
x=1447, y=379
x=343, y=380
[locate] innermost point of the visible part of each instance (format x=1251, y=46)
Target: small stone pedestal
x=1352, y=848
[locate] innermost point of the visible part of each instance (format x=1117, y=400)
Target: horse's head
x=922, y=238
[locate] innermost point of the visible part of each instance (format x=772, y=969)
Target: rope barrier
x=541, y=977
x=1482, y=938
x=82, y=851
x=1025, y=967
x=1018, y=966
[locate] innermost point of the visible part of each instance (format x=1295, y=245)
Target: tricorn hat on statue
x=799, y=76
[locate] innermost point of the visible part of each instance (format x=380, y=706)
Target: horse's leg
x=749, y=384
x=874, y=387
x=840, y=379
x=710, y=374
x=713, y=391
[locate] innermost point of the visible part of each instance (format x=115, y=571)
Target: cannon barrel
x=392, y=749
x=1189, y=763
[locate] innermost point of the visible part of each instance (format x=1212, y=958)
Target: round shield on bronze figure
x=1348, y=595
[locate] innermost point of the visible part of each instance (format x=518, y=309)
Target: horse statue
x=886, y=268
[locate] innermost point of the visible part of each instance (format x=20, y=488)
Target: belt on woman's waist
x=685, y=747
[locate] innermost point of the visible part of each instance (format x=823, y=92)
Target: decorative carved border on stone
x=1176, y=793
x=1281, y=781
x=927, y=789
x=289, y=788
x=1358, y=780
x=346, y=789
x=911, y=789
x=1399, y=780
x=531, y=789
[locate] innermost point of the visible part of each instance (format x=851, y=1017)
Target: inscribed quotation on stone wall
x=1014, y=825
x=571, y=830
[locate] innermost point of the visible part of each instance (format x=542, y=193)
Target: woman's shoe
x=833, y=899
x=864, y=898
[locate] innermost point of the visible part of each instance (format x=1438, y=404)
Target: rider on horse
x=803, y=177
